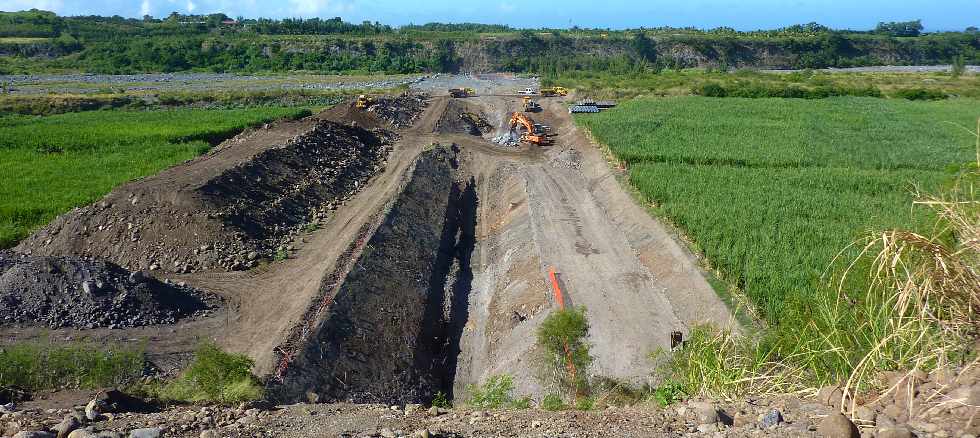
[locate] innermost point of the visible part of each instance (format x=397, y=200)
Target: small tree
x=959, y=66
x=562, y=338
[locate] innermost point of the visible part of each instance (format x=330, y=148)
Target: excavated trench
x=392, y=332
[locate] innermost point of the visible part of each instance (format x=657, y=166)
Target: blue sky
x=740, y=14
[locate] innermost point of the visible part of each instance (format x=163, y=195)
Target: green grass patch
x=214, y=376
x=50, y=164
x=496, y=393
x=770, y=190
x=38, y=366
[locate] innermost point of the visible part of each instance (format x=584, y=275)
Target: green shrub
x=215, y=376
x=711, y=89
x=493, y=394
x=562, y=338
x=919, y=94
x=585, y=404
x=441, y=401
x=36, y=366
x=668, y=393
x=521, y=403
x=553, y=402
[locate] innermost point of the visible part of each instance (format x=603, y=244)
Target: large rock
x=150, y=432
x=94, y=409
x=67, y=426
x=893, y=432
x=705, y=412
x=837, y=425
x=37, y=434
x=82, y=433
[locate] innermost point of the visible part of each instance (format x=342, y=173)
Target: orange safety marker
x=554, y=284
x=560, y=299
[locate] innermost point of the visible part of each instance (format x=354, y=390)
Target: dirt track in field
x=558, y=207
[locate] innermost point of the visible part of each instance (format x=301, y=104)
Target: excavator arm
x=529, y=136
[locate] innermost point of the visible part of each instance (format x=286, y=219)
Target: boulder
x=771, y=419
x=149, y=432
x=67, y=426
x=33, y=434
x=705, y=412
x=836, y=425
x=82, y=433
x=893, y=432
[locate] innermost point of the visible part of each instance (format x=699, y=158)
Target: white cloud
x=507, y=7
x=145, y=7
x=191, y=6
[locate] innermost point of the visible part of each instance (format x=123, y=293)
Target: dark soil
x=391, y=334
x=74, y=292
x=462, y=118
x=227, y=210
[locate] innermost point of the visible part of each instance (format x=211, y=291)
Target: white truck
x=528, y=92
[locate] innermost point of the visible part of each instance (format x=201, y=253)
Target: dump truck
x=533, y=133
x=531, y=106
x=462, y=92
x=554, y=91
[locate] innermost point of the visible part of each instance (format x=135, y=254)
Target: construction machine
x=462, y=92
x=531, y=106
x=554, y=91
x=533, y=133
x=363, y=102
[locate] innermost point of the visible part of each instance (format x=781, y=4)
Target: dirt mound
x=391, y=334
x=74, y=292
x=382, y=112
x=400, y=111
x=461, y=118
x=226, y=210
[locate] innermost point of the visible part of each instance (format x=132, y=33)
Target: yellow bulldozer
x=554, y=91
x=462, y=92
x=363, y=102
x=531, y=106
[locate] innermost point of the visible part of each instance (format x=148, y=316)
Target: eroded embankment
x=392, y=332
x=226, y=210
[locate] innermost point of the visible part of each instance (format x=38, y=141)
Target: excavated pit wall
x=392, y=332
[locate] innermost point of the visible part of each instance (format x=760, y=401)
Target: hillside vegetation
x=51, y=164
x=37, y=41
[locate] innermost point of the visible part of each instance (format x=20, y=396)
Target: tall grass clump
x=37, y=366
x=214, y=376
x=497, y=392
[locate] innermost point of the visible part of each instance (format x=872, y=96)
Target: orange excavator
x=532, y=134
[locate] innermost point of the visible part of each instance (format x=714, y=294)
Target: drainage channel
x=392, y=333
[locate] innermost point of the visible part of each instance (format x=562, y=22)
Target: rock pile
x=80, y=293
x=400, y=111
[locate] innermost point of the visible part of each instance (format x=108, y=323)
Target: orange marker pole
x=560, y=299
